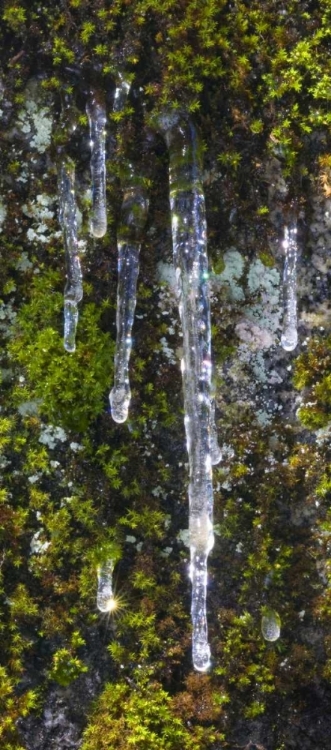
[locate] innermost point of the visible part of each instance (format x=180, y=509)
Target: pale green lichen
x=41, y=213
x=264, y=282
x=35, y=120
x=233, y=271
x=29, y=408
x=23, y=263
x=51, y=435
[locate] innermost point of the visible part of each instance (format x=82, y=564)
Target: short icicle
x=133, y=219
x=96, y=113
x=73, y=291
x=289, y=338
x=270, y=625
x=188, y=219
x=105, y=594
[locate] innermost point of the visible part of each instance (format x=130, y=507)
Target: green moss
x=14, y=15
x=256, y=79
x=66, y=667
x=71, y=389
x=141, y=718
x=312, y=372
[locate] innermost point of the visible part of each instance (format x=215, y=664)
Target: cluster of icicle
x=188, y=220
x=189, y=236
x=73, y=291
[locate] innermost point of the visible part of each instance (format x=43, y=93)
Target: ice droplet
x=270, y=625
x=105, y=595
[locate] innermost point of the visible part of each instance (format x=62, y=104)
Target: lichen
x=256, y=79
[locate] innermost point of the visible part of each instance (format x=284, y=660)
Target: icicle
x=73, y=291
x=289, y=337
x=97, y=121
x=121, y=93
x=270, y=625
x=188, y=219
x=105, y=596
x=133, y=218
x=215, y=451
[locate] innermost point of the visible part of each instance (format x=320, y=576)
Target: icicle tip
x=119, y=403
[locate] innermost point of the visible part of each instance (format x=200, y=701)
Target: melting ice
x=188, y=220
x=73, y=291
x=133, y=218
x=189, y=238
x=270, y=625
x=289, y=337
x=97, y=121
x=105, y=595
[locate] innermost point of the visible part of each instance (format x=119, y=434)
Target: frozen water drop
x=119, y=402
x=270, y=625
x=289, y=340
x=70, y=325
x=105, y=596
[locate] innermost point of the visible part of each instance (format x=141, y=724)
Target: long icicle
x=73, y=291
x=289, y=338
x=96, y=113
x=133, y=219
x=188, y=220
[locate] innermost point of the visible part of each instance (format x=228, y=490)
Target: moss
x=142, y=717
x=312, y=372
x=256, y=78
x=51, y=376
x=66, y=667
x=14, y=16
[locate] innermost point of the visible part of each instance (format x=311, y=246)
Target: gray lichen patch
x=42, y=213
x=230, y=277
x=35, y=120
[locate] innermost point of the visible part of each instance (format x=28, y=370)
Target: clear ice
x=289, y=338
x=73, y=291
x=105, y=594
x=133, y=218
x=121, y=93
x=215, y=451
x=189, y=238
x=97, y=121
x=270, y=625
